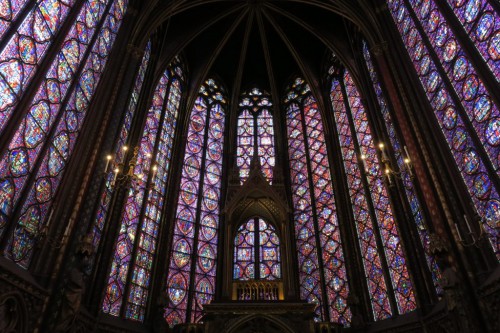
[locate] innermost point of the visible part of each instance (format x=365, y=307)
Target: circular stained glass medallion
x=18, y=159
x=493, y=132
x=177, y=288
x=482, y=108
x=450, y=50
x=470, y=161
x=460, y=68
x=470, y=87
x=494, y=46
x=449, y=118
x=188, y=193
x=181, y=253
x=485, y=26
x=472, y=9
x=192, y=166
x=197, y=123
x=43, y=190
x=482, y=186
x=194, y=143
x=459, y=139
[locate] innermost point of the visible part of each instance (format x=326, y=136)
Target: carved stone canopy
x=256, y=197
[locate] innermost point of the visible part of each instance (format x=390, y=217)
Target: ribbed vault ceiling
x=248, y=43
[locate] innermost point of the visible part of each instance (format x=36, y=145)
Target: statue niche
x=259, y=292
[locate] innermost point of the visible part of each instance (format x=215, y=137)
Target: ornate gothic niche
x=256, y=198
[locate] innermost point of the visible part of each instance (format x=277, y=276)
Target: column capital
x=380, y=48
x=135, y=51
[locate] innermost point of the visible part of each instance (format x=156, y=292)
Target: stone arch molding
x=256, y=197
x=13, y=313
x=259, y=323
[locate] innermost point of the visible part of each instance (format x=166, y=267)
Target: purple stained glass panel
x=124, y=246
x=462, y=74
x=26, y=48
x=62, y=142
x=244, y=252
x=314, y=208
x=205, y=272
x=482, y=24
x=485, y=197
x=255, y=131
x=265, y=143
x=197, y=210
x=246, y=144
x=372, y=263
x=148, y=234
x=256, y=248
x=269, y=251
x=9, y=11
x=23, y=151
x=309, y=273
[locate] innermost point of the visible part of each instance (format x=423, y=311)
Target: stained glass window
x=425, y=33
x=255, y=131
x=246, y=143
x=27, y=46
x=265, y=255
x=482, y=24
x=192, y=267
x=120, y=152
x=409, y=188
x=322, y=271
x=136, y=244
x=475, y=99
x=46, y=136
x=9, y=11
x=372, y=262
x=371, y=203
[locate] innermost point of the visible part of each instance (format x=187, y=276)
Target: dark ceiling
x=261, y=43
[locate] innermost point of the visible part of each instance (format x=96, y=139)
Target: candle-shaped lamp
x=108, y=159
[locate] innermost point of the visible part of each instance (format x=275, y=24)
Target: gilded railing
x=258, y=290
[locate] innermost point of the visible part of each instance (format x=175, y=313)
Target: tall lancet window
x=121, y=150
x=28, y=45
x=256, y=251
x=464, y=103
x=193, y=258
x=255, y=133
x=47, y=123
x=403, y=163
x=482, y=23
x=130, y=274
x=373, y=214
x=322, y=271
